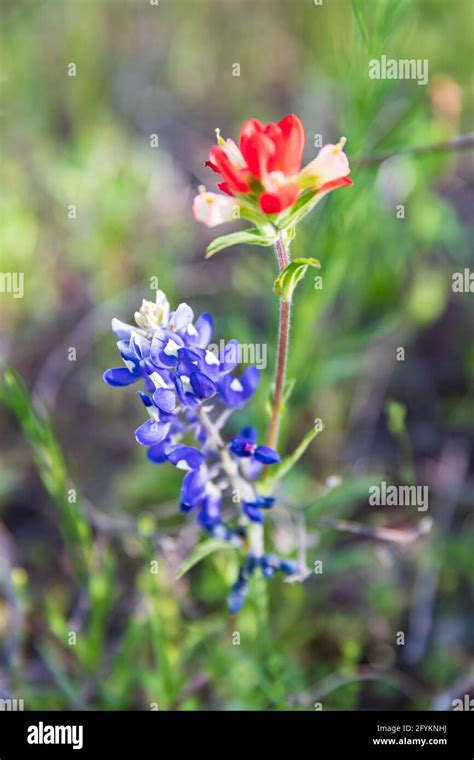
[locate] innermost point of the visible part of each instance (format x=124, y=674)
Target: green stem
x=282, y=353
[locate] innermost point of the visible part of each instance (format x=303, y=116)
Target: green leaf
x=287, y=280
x=201, y=551
x=51, y=467
x=360, y=21
x=279, y=471
x=334, y=500
x=250, y=237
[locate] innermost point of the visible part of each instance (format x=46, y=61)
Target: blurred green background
x=78, y=562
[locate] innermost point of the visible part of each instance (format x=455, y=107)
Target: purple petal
x=186, y=458
x=254, y=513
x=241, y=446
x=204, y=326
x=250, y=380
x=193, y=488
x=288, y=567
x=188, y=399
x=231, y=391
x=165, y=399
x=151, y=432
x=158, y=453
x=164, y=349
x=266, y=455
x=264, y=502
x=119, y=377
x=249, y=433
x=237, y=596
x=210, y=512
x=202, y=386
x=139, y=345
x=189, y=359
x=229, y=356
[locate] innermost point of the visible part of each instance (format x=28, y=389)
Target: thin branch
x=394, y=678
x=391, y=535
x=461, y=142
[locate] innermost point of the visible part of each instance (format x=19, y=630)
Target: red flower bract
x=275, y=147
x=264, y=149
x=233, y=176
x=264, y=170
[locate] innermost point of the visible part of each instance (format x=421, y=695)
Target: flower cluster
x=189, y=392
x=264, y=172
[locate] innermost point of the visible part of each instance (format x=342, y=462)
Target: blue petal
x=147, y=400
x=186, y=398
x=270, y=564
x=266, y=455
x=264, y=502
x=165, y=399
x=161, y=340
x=139, y=345
x=210, y=512
x=250, y=433
x=119, y=377
x=230, y=396
x=186, y=457
x=237, y=596
x=237, y=396
x=202, y=386
x=250, y=380
x=157, y=452
x=204, y=326
x=189, y=359
x=151, y=432
x=192, y=489
x=289, y=567
x=126, y=352
x=254, y=513
x=241, y=446
x=229, y=356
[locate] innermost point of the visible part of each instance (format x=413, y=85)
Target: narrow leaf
x=287, y=280
x=201, y=551
x=250, y=237
x=279, y=471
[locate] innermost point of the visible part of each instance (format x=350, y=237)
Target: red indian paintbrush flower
x=264, y=171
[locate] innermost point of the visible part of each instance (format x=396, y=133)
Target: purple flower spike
x=180, y=371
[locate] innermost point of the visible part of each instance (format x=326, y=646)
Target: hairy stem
x=282, y=353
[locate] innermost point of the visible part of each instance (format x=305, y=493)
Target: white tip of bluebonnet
x=121, y=329
x=181, y=318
